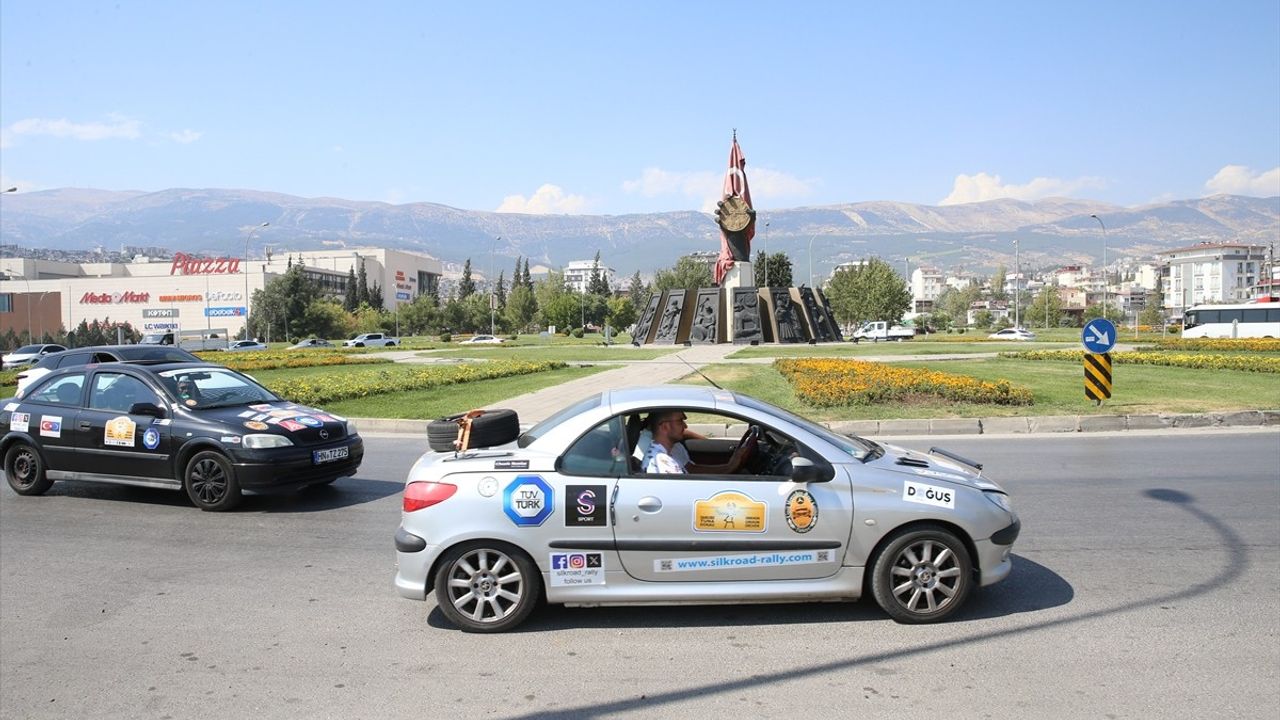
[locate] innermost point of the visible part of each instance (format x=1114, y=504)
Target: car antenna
x=704, y=377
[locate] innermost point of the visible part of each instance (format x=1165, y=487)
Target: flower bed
x=1199, y=344
x=356, y=384
x=274, y=359
x=1204, y=361
x=836, y=382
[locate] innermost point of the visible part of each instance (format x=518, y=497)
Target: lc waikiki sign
x=184, y=264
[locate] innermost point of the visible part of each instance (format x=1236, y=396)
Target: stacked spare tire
x=474, y=429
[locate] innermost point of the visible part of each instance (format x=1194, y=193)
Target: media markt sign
x=528, y=500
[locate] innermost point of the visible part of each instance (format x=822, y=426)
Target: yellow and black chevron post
x=1097, y=376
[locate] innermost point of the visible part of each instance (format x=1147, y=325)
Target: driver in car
x=669, y=428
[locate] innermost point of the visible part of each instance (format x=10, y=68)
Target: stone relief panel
x=747, y=327
x=819, y=323
x=707, y=317
x=831, y=316
x=786, y=317
x=645, y=325
x=669, y=325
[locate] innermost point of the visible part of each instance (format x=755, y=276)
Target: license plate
x=320, y=457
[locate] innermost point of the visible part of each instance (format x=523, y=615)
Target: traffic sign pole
x=1097, y=376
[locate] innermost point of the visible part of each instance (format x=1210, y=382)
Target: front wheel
x=922, y=576
x=486, y=587
x=24, y=469
x=210, y=482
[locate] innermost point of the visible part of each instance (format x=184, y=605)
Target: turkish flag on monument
x=735, y=183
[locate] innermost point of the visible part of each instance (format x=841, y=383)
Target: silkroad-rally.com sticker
x=570, y=569
x=929, y=494
x=528, y=500
x=729, y=511
x=752, y=560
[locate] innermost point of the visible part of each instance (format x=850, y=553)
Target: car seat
x=68, y=394
x=634, y=427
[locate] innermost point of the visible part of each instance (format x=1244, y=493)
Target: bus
x=1249, y=320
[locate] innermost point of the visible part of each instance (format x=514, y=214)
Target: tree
x=500, y=294
x=420, y=317
x=869, y=292
x=561, y=310
x=982, y=319
x=598, y=283
x=362, y=287
x=375, y=297
x=549, y=288
x=621, y=313
x=521, y=308
x=327, y=319
x=778, y=269
x=466, y=286
x=349, y=300
x=1046, y=308
x=284, y=300
x=997, y=284
x=688, y=273
x=1114, y=313
x=954, y=303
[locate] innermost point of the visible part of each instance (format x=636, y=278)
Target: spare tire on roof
x=488, y=428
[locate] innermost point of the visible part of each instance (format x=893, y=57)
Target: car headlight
x=351, y=428
x=263, y=441
x=1000, y=499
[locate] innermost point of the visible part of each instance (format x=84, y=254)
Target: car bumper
x=285, y=468
x=414, y=558
x=995, y=554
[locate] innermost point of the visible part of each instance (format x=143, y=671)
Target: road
x=1144, y=586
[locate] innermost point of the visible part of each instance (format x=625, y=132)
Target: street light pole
x=1104, y=263
x=248, y=238
x=1015, y=283
x=811, y=239
x=764, y=244
x=493, y=289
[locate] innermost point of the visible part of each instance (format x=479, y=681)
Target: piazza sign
x=184, y=264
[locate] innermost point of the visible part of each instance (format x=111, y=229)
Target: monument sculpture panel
x=707, y=314
x=645, y=326
x=786, y=318
x=836, y=335
x=747, y=327
x=819, y=323
x=672, y=314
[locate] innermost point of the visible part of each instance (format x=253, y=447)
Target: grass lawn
x=1058, y=389
x=909, y=347
x=438, y=402
x=563, y=353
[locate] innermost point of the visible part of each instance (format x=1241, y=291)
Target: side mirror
x=804, y=471
x=146, y=408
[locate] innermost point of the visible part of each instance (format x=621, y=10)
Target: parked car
x=240, y=345
x=311, y=343
x=481, y=340
x=1012, y=334
x=102, y=354
x=564, y=513
x=201, y=428
x=877, y=331
x=371, y=340
x=28, y=355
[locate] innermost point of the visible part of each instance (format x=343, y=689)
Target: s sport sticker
x=579, y=568
x=584, y=505
x=929, y=495
x=801, y=511
x=729, y=511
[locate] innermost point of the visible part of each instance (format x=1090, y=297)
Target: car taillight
x=418, y=495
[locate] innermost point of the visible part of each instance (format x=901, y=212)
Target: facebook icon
x=560, y=561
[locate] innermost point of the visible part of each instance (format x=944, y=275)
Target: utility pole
x=1015, y=283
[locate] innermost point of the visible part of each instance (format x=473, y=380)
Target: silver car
x=565, y=513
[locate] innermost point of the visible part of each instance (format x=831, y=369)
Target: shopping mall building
x=188, y=292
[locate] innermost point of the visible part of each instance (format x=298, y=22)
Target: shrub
x=1202, y=361
x=446, y=337
x=326, y=389
x=577, y=332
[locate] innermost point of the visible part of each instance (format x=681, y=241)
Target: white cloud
x=705, y=187
x=186, y=136
x=1240, y=180
x=976, y=188
x=548, y=200
x=116, y=128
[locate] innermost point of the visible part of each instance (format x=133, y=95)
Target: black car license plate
x=320, y=457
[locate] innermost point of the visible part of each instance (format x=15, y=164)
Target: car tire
x=922, y=575
x=24, y=469
x=210, y=482
x=494, y=427
x=486, y=587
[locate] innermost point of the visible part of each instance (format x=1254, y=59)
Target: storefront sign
x=184, y=264
x=181, y=298
x=402, y=296
x=152, y=313
x=127, y=296
x=160, y=326
x=222, y=296
x=224, y=312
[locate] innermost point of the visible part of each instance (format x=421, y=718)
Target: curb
x=973, y=426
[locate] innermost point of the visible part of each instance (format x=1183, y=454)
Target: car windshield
x=204, y=388
x=857, y=448
x=27, y=349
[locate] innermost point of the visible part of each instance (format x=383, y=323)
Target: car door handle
x=650, y=504
x=84, y=425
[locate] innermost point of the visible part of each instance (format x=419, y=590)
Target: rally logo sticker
x=928, y=495
x=729, y=511
x=528, y=501
x=510, y=464
x=261, y=407
x=51, y=426
x=20, y=422
x=801, y=511
x=10, y=407
x=120, y=432
x=308, y=421
x=151, y=439
x=579, y=568
x=255, y=425
x=246, y=413
x=584, y=505
x=291, y=425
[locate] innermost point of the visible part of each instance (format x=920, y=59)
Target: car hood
x=930, y=467
x=302, y=424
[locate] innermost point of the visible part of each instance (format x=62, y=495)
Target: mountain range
x=974, y=237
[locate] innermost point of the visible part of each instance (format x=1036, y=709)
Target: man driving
x=669, y=428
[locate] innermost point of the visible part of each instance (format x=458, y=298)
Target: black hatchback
x=202, y=428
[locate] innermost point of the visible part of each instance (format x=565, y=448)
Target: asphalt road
x=1144, y=586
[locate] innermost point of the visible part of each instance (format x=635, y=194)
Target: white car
x=482, y=340
x=371, y=340
x=246, y=345
x=29, y=354
x=1012, y=334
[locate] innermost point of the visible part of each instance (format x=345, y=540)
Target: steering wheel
x=751, y=442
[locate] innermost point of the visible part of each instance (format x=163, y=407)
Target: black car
x=202, y=428
x=102, y=354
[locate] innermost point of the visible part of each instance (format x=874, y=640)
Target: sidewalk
x=535, y=406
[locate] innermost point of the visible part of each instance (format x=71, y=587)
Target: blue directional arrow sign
x=1099, y=336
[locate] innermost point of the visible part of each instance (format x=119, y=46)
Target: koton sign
x=127, y=296
x=185, y=264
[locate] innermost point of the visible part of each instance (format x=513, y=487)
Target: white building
x=926, y=285
x=1210, y=273
x=577, y=275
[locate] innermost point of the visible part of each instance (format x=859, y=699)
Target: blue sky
x=614, y=108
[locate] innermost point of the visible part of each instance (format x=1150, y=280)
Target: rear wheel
x=922, y=576
x=486, y=587
x=25, y=470
x=210, y=482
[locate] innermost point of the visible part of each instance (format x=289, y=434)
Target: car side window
x=599, y=453
x=118, y=392
x=73, y=360
x=64, y=390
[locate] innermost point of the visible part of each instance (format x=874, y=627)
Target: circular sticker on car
x=151, y=439
x=255, y=425
x=801, y=511
x=488, y=487
x=309, y=421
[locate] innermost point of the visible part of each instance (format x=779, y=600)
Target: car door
x=741, y=527
x=53, y=407
x=113, y=442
